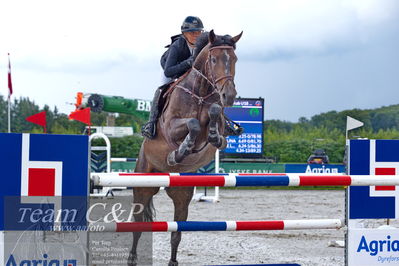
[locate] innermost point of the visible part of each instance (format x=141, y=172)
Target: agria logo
x=43, y=262
x=375, y=246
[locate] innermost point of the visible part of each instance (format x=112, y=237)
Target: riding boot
x=149, y=129
x=231, y=128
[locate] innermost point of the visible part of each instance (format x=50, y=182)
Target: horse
x=189, y=130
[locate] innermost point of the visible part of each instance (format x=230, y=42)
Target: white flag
x=352, y=123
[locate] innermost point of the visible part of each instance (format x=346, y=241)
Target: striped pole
x=217, y=226
x=238, y=180
x=123, y=159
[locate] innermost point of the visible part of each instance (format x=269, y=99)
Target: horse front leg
x=188, y=143
x=214, y=137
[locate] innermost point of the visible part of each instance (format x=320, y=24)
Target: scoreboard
x=248, y=112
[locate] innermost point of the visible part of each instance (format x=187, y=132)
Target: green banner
x=251, y=168
x=123, y=167
x=128, y=167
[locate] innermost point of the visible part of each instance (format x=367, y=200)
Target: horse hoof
x=173, y=263
x=171, y=160
x=214, y=140
x=132, y=260
x=223, y=143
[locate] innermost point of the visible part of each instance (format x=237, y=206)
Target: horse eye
x=213, y=60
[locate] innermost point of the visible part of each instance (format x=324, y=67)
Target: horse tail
x=149, y=211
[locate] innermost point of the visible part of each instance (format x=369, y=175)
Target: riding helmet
x=192, y=23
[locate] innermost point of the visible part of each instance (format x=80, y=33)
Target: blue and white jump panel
x=41, y=172
x=373, y=246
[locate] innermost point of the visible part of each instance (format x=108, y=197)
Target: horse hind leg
x=141, y=196
x=188, y=143
x=214, y=137
x=181, y=197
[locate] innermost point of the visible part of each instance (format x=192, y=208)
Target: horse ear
x=211, y=36
x=236, y=38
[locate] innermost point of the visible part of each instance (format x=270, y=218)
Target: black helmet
x=192, y=23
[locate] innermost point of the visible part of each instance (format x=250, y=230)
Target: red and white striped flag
x=9, y=78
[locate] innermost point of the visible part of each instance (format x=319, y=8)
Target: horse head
x=218, y=65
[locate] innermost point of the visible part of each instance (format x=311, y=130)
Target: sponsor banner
x=315, y=168
x=243, y=168
x=40, y=165
x=128, y=167
x=45, y=248
x=251, y=168
x=374, y=157
x=40, y=174
x=373, y=247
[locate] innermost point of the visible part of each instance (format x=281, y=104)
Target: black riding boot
x=149, y=129
x=231, y=128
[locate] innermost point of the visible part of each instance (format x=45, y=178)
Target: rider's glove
x=190, y=61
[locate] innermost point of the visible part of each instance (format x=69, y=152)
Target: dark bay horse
x=190, y=128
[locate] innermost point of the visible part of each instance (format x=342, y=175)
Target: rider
x=176, y=61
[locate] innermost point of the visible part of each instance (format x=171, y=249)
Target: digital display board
x=248, y=112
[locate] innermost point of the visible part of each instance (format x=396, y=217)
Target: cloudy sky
x=303, y=56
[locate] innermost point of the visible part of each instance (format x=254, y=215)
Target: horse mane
x=203, y=40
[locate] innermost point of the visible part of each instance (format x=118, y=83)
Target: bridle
x=212, y=81
x=207, y=64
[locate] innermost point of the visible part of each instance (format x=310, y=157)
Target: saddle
x=167, y=90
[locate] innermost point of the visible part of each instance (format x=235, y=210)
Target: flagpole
x=9, y=93
x=9, y=114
